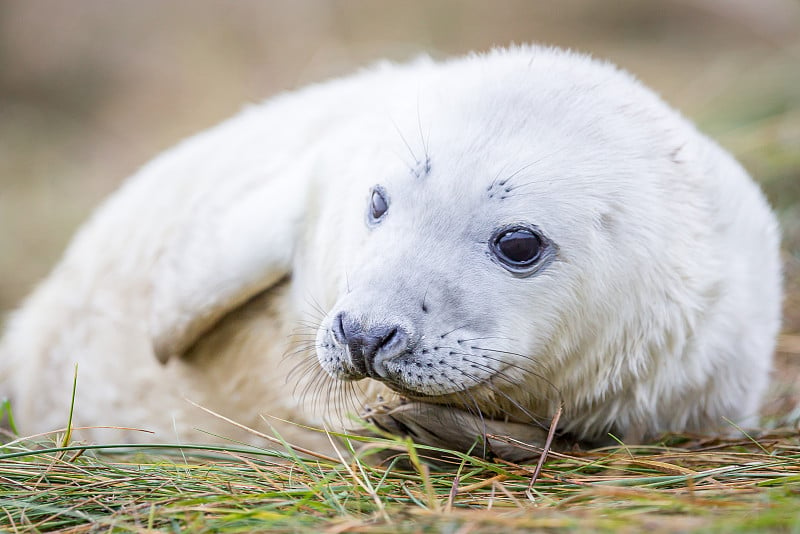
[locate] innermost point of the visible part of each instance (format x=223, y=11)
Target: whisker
x=315, y=305
x=459, y=350
x=442, y=336
x=427, y=162
x=532, y=163
x=530, y=372
x=309, y=347
x=516, y=173
x=302, y=368
x=477, y=381
x=486, y=337
x=510, y=353
x=405, y=142
x=478, y=413
x=491, y=358
x=304, y=328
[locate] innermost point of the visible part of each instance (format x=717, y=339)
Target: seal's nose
x=369, y=346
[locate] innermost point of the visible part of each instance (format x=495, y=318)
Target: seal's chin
x=411, y=393
x=455, y=395
x=420, y=392
x=478, y=399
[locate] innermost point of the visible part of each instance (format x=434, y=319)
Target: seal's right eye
x=378, y=205
x=521, y=249
x=518, y=247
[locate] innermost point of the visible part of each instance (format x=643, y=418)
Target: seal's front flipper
x=456, y=429
x=234, y=244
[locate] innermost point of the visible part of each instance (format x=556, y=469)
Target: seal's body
x=498, y=234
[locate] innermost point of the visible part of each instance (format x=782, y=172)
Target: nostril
x=337, y=328
x=389, y=340
x=391, y=343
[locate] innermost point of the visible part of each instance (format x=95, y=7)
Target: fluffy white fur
x=659, y=311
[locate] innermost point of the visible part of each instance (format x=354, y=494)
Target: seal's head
x=553, y=240
x=416, y=314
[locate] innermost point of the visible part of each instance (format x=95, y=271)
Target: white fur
x=659, y=313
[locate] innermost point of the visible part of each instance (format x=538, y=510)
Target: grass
x=680, y=484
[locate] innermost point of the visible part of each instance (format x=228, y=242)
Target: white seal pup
x=490, y=237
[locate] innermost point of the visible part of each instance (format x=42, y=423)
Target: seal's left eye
x=378, y=205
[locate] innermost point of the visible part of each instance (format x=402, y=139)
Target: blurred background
x=92, y=89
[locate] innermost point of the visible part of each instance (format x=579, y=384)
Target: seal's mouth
x=407, y=357
x=451, y=393
x=396, y=384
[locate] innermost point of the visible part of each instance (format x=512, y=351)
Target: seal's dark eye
x=377, y=205
x=517, y=247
